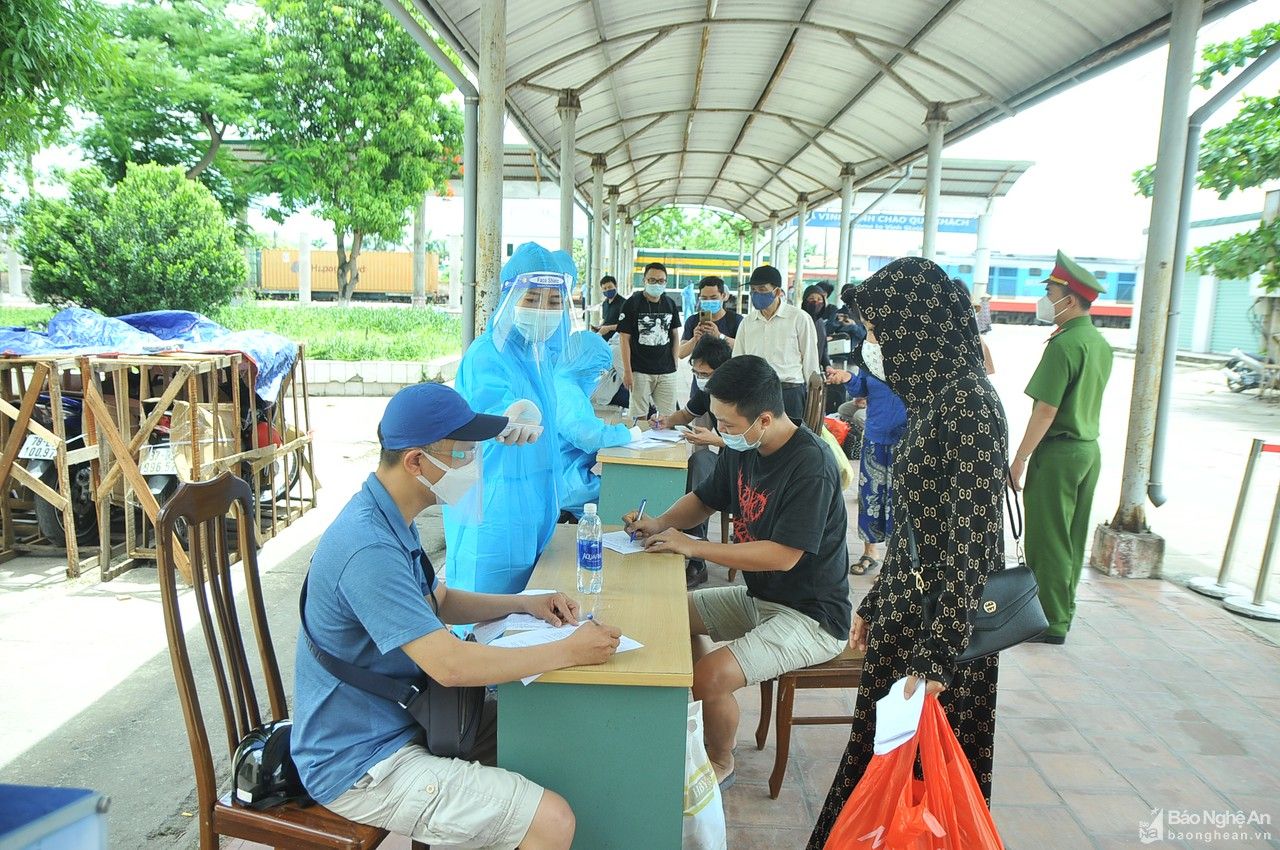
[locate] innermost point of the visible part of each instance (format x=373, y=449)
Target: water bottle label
x=590, y=555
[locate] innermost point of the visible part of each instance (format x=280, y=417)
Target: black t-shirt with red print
x=791, y=497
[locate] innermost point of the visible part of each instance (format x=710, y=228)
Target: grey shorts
x=766, y=638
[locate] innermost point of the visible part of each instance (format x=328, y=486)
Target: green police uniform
x=1063, y=470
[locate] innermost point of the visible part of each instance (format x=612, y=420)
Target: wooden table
x=628, y=476
x=611, y=738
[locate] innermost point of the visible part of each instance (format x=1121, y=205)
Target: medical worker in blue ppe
x=508, y=371
x=586, y=359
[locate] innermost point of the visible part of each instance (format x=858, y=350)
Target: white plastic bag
x=703, y=808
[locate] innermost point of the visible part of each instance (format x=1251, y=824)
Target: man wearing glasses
x=650, y=331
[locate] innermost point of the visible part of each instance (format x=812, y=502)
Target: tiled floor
x=1159, y=700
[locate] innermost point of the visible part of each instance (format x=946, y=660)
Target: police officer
x=1059, y=451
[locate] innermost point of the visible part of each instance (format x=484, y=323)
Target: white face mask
x=537, y=324
x=872, y=356
x=653, y=290
x=456, y=483
x=739, y=442
x=1047, y=310
x=701, y=382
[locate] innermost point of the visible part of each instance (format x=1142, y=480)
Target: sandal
x=864, y=565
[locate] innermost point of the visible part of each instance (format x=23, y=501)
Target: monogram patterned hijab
x=925, y=325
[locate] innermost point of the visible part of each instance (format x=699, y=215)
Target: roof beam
x=934, y=20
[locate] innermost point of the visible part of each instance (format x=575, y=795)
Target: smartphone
x=704, y=316
x=684, y=429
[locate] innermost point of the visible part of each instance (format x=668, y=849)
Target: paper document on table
x=646, y=442
x=897, y=718
x=551, y=634
x=487, y=632
x=621, y=542
x=666, y=435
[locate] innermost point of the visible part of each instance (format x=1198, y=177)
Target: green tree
x=188, y=75
x=158, y=241
x=1242, y=154
x=51, y=52
x=690, y=230
x=353, y=121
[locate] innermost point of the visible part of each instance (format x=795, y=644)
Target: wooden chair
x=843, y=671
x=815, y=403
x=204, y=507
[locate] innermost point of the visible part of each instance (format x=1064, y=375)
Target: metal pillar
x=1258, y=608
x=470, y=215
x=936, y=123
x=613, y=232
x=568, y=108
x=493, y=89
x=470, y=150
x=304, y=269
x=982, y=254
x=802, y=214
x=773, y=241
x=755, y=244
x=589, y=295
x=420, y=252
x=846, y=226
x=1161, y=234
x=1190, y=166
x=1220, y=588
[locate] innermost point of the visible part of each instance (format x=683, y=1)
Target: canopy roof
x=746, y=105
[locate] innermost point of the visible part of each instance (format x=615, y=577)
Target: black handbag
x=1010, y=612
x=450, y=717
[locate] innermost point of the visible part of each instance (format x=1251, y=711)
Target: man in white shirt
x=782, y=334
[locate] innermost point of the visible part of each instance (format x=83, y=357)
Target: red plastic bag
x=892, y=810
x=838, y=428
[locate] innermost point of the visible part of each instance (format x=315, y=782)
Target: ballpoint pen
x=639, y=516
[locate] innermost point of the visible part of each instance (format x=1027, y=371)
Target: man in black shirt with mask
x=781, y=483
x=611, y=308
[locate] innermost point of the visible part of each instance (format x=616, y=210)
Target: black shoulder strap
x=366, y=680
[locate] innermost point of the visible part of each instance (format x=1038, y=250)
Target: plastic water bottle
x=590, y=551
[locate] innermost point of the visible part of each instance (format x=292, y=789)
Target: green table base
x=623, y=486
x=616, y=753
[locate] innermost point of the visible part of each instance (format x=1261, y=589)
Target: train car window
x=1035, y=272
x=1100, y=275
x=966, y=270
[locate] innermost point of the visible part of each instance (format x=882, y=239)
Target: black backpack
x=263, y=769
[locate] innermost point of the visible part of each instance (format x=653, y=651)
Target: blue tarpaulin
x=79, y=331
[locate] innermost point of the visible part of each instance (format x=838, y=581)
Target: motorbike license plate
x=37, y=448
x=157, y=460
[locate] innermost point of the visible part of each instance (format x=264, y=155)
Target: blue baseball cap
x=425, y=413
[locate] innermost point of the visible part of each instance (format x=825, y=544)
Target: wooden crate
x=203, y=396
x=23, y=380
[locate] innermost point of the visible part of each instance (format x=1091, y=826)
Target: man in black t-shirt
x=650, y=331
x=782, y=484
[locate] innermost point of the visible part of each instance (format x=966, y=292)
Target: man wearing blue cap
x=366, y=602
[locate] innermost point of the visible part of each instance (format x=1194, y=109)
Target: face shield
x=533, y=315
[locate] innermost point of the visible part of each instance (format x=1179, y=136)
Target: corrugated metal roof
x=747, y=104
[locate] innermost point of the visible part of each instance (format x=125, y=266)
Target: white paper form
x=621, y=542
x=538, y=637
x=897, y=718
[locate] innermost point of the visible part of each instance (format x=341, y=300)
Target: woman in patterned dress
x=948, y=479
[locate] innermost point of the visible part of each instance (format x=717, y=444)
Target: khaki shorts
x=442, y=801
x=766, y=638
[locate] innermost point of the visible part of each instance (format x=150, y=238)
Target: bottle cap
x=589, y=508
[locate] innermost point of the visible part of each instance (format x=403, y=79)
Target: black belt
x=787, y=386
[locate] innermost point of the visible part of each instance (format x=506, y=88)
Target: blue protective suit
x=520, y=498
x=582, y=433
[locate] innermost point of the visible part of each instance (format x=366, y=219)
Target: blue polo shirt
x=886, y=414
x=366, y=598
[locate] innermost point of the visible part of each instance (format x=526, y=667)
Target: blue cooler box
x=38, y=818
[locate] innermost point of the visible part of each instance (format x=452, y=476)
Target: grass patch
x=330, y=333
x=354, y=333
x=35, y=318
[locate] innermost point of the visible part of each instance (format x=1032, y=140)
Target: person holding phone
x=708, y=355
